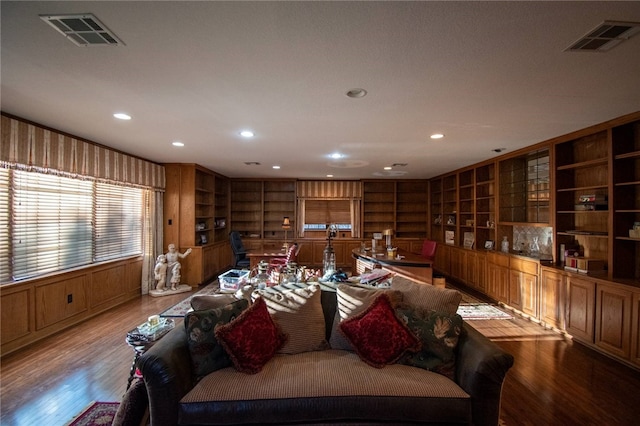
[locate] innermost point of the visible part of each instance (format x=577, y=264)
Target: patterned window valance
x=329, y=189
x=29, y=145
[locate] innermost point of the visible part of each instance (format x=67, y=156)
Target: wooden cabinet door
x=481, y=272
x=552, y=298
x=580, y=308
x=498, y=282
x=442, y=263
x=613, y=319
x=515, y=289
x=457, y=263
x=523, y=292
x=635, y=329
x=471, y=268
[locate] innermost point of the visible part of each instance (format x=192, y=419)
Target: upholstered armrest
x=481, y=367
x=167, y=374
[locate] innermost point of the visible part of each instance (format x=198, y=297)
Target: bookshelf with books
x=450, y=209
x=582, y=170
x=485, y=205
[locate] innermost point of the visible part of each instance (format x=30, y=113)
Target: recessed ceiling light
x=437, y=136
x=329, y=175
x=388, y=168
x=356, y=93
x=177, y=143
x=246, y=134
x=276, y=167
x=336, y=155
x=122, y=116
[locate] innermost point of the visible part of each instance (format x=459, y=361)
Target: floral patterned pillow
x=207, y=355
x=439, y=333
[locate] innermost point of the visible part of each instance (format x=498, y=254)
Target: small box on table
x=232, y=280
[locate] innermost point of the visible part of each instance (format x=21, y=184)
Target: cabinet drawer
x=498, y=259
x=526, y=266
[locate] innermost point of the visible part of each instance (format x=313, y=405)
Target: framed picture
x=469, y=239
x=488, y=244
x=451, y=220
x=449, y=237
x=203, y=239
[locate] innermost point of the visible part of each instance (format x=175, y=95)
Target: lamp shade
x=387, y=232
x=286, y=223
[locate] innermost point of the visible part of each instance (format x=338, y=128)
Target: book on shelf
x=583, y=265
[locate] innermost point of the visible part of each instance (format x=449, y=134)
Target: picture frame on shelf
x=203, y=239
x=489, y=244
x=451, y=220
x=449, y=237
x=469, y=240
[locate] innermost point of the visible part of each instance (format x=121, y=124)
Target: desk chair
x=429, y=248
x=240, y=254
x=292, y=255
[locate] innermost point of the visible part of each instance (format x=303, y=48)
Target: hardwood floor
x=53, y=380
x=554, y=381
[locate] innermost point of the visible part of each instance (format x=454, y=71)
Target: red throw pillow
x=377, y=334
x=252, y=339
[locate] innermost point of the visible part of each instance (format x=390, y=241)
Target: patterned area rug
x=181, y=308
x=96, y=414
x=481, y=311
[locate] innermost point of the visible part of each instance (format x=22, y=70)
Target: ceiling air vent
x=83, y=30
x=605, y=36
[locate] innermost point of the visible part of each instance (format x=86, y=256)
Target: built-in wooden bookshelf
x=582, y=168
x=626, y=200
x=279, y=202
x=196, y=211
x=398, y=205
x=435, y=198
x=258, y=207
x=485, y=205
x=246, y=208
x=450, y=209
x=411, y=209
x=378, y=200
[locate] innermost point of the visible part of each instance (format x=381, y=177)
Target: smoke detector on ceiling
x=83, y=30
x=605, y=36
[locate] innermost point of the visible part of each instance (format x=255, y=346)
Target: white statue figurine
x=173, y=266
x=160, y=272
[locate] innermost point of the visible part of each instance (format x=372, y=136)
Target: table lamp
x=286, y=225
x=387, y=235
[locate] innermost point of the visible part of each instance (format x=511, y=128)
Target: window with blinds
x=119, y=221
x=5, y=259
x=51, y=223
x=319, y=213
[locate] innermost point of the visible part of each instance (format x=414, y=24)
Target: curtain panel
x=27, y=145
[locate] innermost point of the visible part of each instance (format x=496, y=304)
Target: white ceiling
x=486, y=74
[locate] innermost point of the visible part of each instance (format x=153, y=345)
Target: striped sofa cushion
x=332, y=384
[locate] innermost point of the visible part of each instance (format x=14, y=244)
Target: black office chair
x=242, y=261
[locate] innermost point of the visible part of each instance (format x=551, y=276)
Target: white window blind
x=5, y=259
x=51, y=223
x=119, y=221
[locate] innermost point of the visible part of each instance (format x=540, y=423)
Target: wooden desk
x=410, y=265
x=256, y=256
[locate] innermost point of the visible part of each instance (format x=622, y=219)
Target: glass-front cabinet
x=525, y=188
